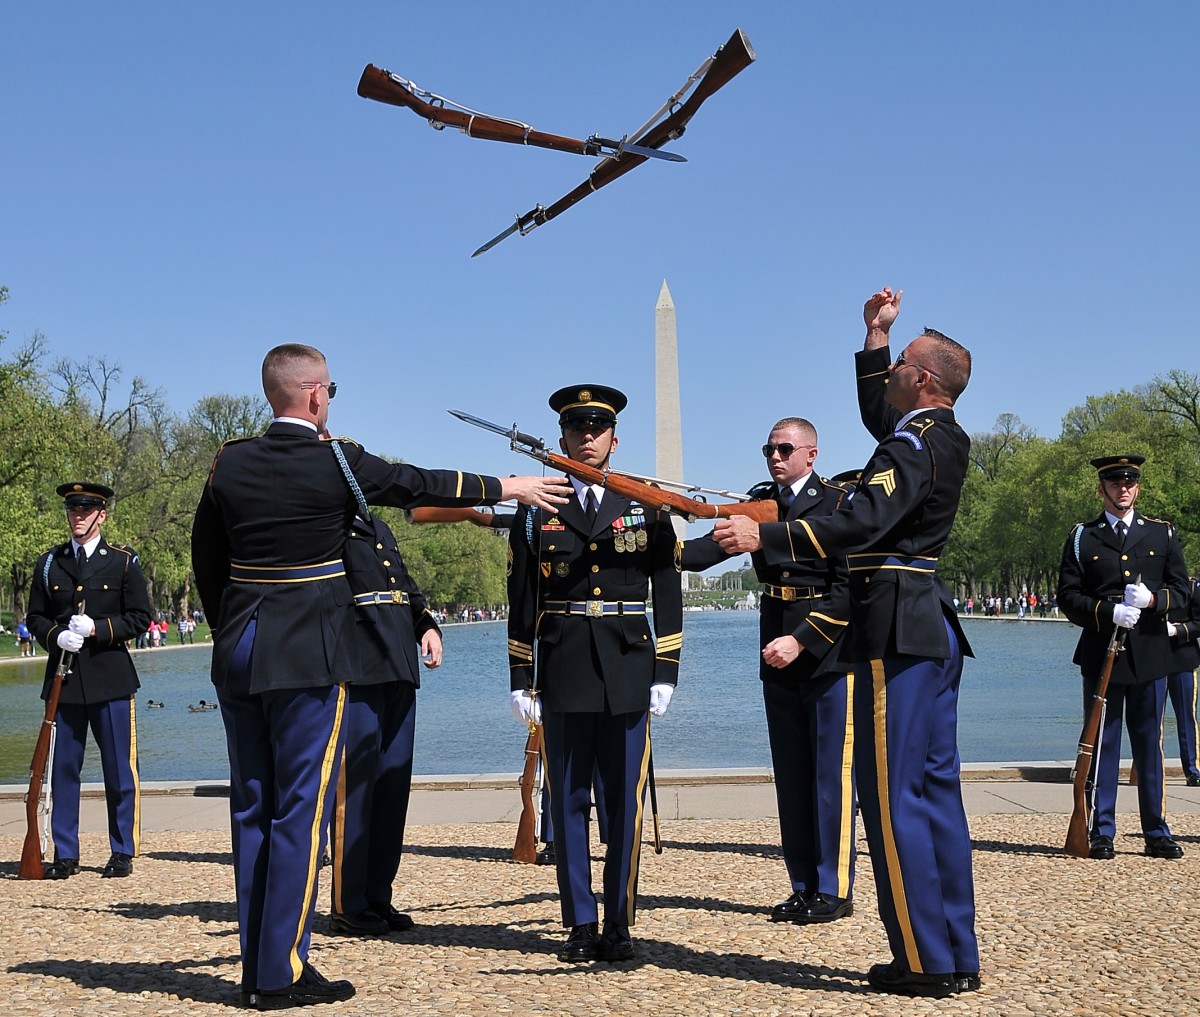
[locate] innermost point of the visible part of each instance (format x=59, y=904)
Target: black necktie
x=80, y=558
x=590, y=506
x=786, y=497
x=1120, y=528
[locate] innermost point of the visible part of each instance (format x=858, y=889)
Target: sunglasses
x=331, y=388
x=784, y=448
x=901, y=362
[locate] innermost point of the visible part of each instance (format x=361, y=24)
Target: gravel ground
x=1057, y=935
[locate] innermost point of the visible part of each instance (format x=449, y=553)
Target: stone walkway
x=1058, y=935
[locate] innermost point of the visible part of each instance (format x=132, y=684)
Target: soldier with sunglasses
x=806, y=692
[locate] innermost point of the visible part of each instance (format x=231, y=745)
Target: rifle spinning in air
x=617, y=156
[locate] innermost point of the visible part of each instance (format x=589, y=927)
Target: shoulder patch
x=911, y=438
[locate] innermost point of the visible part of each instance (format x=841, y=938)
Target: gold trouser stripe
x=328, y=765
x=137, y=781
x=1162, y=760
x=337, y=836
x=635, y=854
x=846, y=824
x=1195, y=722
x=891, y=856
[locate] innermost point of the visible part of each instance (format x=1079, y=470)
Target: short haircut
x=283, y=368
x=951, y=362
x=797, y=422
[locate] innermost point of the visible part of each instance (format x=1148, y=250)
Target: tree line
x=64, y=421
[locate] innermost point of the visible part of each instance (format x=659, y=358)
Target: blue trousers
x=809, y=723
x=372, y=795
x=1181, y=688
x=547, y=831
x=114, y=726
x=617, y=746
x=907, y=768
x=284, y=751
x=1143, y=706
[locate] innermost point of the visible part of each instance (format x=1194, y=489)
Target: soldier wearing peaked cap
x=99, y=691
x=578, y=584
x=1125, y=569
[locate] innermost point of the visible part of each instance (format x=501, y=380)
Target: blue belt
x=286, y=573
x=874, y=562
x=382, y=597
x=595, y=608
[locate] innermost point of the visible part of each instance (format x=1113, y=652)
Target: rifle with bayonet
x=33, y=850
x=643, y=491
x=389, y=87
x=1078, y=843
x=717, y=71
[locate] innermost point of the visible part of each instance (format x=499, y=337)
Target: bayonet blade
x=511, y=433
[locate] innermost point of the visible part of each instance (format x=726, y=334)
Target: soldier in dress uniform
x=907, y=648
x=1125, y=569
x=267, y=545
x=578, y=584
x=806, y=692
x=1181, y=682
x=367, y=837
x=88, y=598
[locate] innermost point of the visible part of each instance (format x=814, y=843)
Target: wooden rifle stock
x=430, y=514
x=1078, y=843
x=525, y=848
x=382, y=86
x=32, y=861
x=657, y=497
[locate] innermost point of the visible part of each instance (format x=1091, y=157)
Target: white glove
x=70, y=641
x=1136, y=595
x=1172, y=628
x=660, y=698
x=1125, y=617
x=526, y=709
x=83, y=625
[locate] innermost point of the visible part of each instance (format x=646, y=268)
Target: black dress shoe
x=1102, y=848
x=893, y=978
x=397, y=921
x=1163, y=847
x=1193, y=780
x=790, y=909
x=546, y=856
x=966, y=981
x=118, y=865
x=616, y=944
x=248, y=999
x=61, y=868
x=583, y=944
x=310, y=988
x=824, y=907
x=361, y=923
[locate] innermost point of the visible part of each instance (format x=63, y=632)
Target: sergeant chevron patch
x=886, y=480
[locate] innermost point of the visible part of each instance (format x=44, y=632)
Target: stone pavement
x=1058, y=935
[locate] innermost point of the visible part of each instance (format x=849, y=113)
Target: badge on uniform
x=562, y=568
x=553, y=524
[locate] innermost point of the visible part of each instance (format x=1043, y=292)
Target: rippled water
x=1020, y=700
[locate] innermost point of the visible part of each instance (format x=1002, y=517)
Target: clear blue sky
x=186, y=185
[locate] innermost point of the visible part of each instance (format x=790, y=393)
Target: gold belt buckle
x=789, y=593
x=397, y=596
x=594, y=608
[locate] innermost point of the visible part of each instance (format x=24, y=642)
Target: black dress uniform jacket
x=1091, y=582
x=114, y=593
x=1186, y=641
x=818, y=617
x=279, y=501
x=582, y=660
x=386, y=649
x=901, y=511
